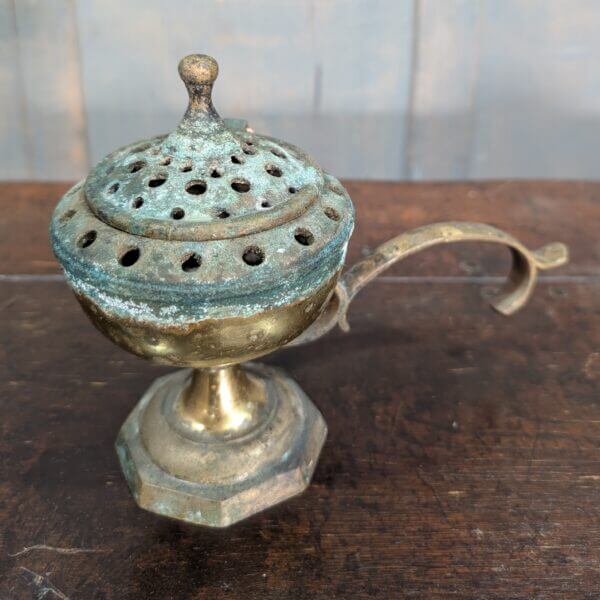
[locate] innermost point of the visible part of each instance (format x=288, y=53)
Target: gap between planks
x=485, y=279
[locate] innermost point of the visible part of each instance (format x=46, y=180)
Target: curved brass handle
x=512, y=296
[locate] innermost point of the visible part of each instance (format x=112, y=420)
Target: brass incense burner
x=210, y=247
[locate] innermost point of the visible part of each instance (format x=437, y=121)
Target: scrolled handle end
x=551, y=256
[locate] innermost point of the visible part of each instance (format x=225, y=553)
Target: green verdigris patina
x=210, y=221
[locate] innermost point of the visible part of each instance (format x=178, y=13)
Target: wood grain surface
x=463, y=456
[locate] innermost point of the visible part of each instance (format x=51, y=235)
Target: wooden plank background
x=386, y=89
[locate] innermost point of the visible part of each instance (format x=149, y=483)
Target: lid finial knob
x=198, y=72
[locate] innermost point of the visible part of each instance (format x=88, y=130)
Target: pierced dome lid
x=207, y=180
x=211, y=220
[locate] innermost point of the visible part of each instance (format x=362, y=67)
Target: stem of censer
x=223, y=400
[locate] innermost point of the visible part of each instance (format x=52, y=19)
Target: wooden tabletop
x=463, y=456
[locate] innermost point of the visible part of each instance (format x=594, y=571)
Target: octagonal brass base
x=214, y=446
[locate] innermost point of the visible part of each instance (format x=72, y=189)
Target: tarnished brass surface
x=209, y=247
x=210, y=342
x=220, y=402
x=185, y=475
x=513, y=296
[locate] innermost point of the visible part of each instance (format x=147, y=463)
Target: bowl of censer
x=210, y=247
